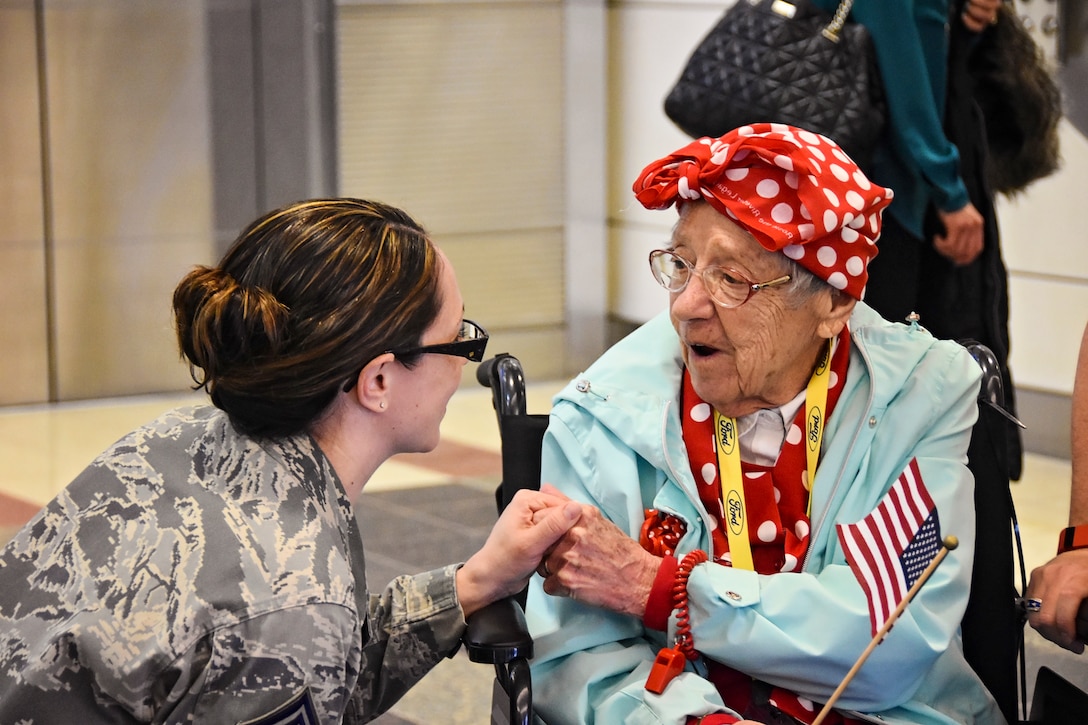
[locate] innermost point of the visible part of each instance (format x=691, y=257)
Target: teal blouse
x=915, y=159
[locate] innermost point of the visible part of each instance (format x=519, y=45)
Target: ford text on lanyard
x=727, y=443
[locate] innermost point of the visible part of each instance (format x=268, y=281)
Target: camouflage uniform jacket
x=191, y=574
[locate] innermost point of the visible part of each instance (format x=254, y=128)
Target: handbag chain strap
x=831, y=32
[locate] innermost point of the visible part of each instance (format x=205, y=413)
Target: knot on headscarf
x=795, y=191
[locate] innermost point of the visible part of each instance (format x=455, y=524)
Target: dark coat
x=970, y=301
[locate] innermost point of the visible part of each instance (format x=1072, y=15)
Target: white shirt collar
x=762, y=433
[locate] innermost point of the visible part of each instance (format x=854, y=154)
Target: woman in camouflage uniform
x=207, y=567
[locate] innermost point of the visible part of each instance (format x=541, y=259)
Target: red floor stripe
x=14, y=511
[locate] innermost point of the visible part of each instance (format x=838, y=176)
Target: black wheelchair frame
x=498, y=634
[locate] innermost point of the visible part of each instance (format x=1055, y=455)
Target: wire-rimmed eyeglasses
x=470, y=344
x=725, y=285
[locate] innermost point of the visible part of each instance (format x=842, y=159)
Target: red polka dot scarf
x=797, y=193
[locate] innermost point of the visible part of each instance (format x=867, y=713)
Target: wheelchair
x=992, y=628
x=498, y=634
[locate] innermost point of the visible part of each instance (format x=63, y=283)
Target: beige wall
x=24, y=344
x=455, y=113
x=511, y=129
x=110, y=199
x=130, y=187
x=459, y=112
x=1046, y=249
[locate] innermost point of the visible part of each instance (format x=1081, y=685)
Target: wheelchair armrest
x=498, y=633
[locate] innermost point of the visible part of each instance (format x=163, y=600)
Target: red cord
x=670, y=660
x=684, y=641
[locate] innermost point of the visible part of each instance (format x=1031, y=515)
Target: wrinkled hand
x=528, y=528
x=979, y=14
x=962, y=241
x=598, y=564
x=1060, y=584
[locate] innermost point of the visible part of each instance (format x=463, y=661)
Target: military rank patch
x=299, y=710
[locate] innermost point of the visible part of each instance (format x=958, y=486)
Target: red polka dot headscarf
x=797, y=192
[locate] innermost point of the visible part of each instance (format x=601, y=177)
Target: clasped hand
x=596, y=563
x=526, y=531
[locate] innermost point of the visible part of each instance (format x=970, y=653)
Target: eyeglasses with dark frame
x=470, y=344
x=725, y=285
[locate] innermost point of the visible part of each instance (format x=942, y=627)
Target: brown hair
x=305, y=297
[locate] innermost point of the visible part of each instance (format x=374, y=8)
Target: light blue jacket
x=615, y=441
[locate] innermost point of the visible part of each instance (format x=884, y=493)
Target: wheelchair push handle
x=506, y=378
x=992, y=392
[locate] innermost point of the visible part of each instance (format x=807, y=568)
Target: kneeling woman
x=208, y=566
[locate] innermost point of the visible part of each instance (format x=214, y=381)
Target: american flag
x=892, y=546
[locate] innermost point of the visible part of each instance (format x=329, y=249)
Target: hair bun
x=221, y=323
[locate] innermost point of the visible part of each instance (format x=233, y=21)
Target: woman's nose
x=692, y=302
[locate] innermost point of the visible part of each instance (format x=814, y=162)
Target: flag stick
x=948, y=544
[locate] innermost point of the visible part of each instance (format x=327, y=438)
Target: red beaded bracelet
x=1072, y=538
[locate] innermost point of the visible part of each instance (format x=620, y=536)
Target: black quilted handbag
x=788, y=62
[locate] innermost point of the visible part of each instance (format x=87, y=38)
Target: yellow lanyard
x=727, y=444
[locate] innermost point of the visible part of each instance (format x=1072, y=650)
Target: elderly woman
x=765, y=334
x=208, y=567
